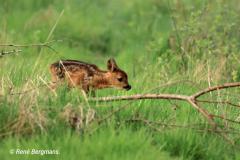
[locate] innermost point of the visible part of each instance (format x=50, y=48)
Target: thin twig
x=218, y=87
x=203, y=112
x=227, y=119
x=3, y=53
x=189, y=126
x=220, y=102
x=45, y=44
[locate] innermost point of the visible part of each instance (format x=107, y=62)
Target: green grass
x=105, y=144
x=155, y=42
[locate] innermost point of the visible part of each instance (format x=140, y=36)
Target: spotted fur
x=88, y=76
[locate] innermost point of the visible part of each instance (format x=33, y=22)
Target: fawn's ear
x=112, y=65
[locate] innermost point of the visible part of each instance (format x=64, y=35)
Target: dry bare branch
x=196, y=127
x=218, y=87
x=3, y=53
x=45, y=44
x=141, y=96
x=226, y=119
x=220, y=102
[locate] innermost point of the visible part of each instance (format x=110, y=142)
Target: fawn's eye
x=120, y=79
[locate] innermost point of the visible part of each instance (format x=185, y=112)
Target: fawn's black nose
x=128, y=87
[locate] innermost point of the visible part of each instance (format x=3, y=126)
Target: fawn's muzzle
x=128, y=87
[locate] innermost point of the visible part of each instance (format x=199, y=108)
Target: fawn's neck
x=101, y=80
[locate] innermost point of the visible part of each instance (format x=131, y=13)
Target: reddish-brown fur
x=88, y=76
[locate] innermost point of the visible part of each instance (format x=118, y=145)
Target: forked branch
x=192, y=100
x=193, y=97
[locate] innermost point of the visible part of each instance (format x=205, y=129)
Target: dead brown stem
x=3, y=53
x=189, y=126
x=226, y=119
x=203, y=112
x=141, y=96
x=220, y=102
x=45, y=44
x=218, y=87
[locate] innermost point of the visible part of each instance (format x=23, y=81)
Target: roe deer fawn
x=88, y=76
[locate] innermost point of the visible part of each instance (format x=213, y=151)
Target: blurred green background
x=157, y=42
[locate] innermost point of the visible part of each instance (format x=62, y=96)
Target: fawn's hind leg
x=92, y=92
x=53, y=83
x=54, y=76
x=88, y=90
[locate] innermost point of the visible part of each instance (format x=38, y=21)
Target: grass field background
x=189, y=45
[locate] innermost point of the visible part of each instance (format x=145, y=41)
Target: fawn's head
x=117, y=77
